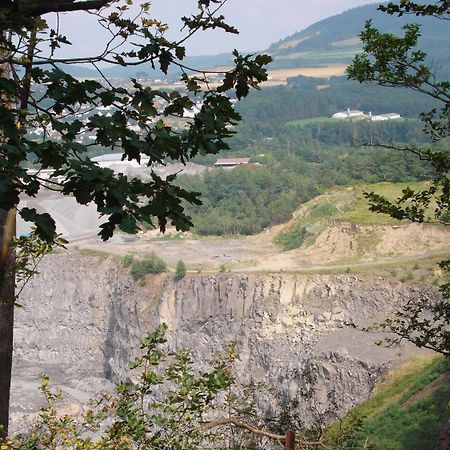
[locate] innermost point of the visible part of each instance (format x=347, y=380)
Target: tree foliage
x=390, y=60
x=439, y=9
x=140, y=267
x=38, y=95
x=162, y=408
x=59, y=107
x=292, y=170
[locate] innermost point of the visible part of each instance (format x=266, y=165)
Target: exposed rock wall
x=83, y=318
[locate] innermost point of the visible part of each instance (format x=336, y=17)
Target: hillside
x=333, y=233
x=348, y=205
x=407, y=409
x=335, y=40
x=331, y=42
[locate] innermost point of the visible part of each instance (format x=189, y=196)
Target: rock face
x=83, y=318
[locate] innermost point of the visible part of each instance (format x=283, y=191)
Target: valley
x=304, y=249
x=285, y=310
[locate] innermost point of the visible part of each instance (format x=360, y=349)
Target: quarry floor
x=341, y=246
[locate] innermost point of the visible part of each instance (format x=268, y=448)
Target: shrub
x=148, y=264
x=127, y=260
x=293, y=238
x=180, y=270
x=408, y=277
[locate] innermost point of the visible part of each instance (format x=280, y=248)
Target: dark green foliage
x=246, y=200
x=301, y=99
x=439, y=9
x=294, y=169
x=395, y=61
x=139, y=267
x=294, y=238
x=123, y=202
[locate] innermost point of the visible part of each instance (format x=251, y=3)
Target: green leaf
x=45, y=225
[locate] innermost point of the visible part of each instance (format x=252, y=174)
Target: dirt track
x=238, y=255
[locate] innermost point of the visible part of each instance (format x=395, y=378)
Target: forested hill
x=335, y=39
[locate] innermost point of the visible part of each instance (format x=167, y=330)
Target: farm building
x=231, y=162
x=349, y=114
x=387, y=116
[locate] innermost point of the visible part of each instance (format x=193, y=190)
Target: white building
x=387, y=116
x=349, y=114
x=114, y=160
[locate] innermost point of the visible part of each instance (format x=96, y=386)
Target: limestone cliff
x=84, y=316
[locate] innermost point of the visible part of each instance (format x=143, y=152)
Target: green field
x=312, y=121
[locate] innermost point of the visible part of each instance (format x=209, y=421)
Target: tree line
x=285, y=174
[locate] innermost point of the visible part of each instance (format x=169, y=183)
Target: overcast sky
x=260, y=22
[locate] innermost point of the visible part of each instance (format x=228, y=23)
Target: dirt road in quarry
x=334, y=249
x=339, y=246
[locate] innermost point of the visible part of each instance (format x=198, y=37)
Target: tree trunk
x=289, y=443
x=7, y=298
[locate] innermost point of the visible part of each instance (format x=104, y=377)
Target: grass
x=94, y=252
x=360, y=212
x=311, y=121
x=324, y=71
x=344, y=204
x=389, y=424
